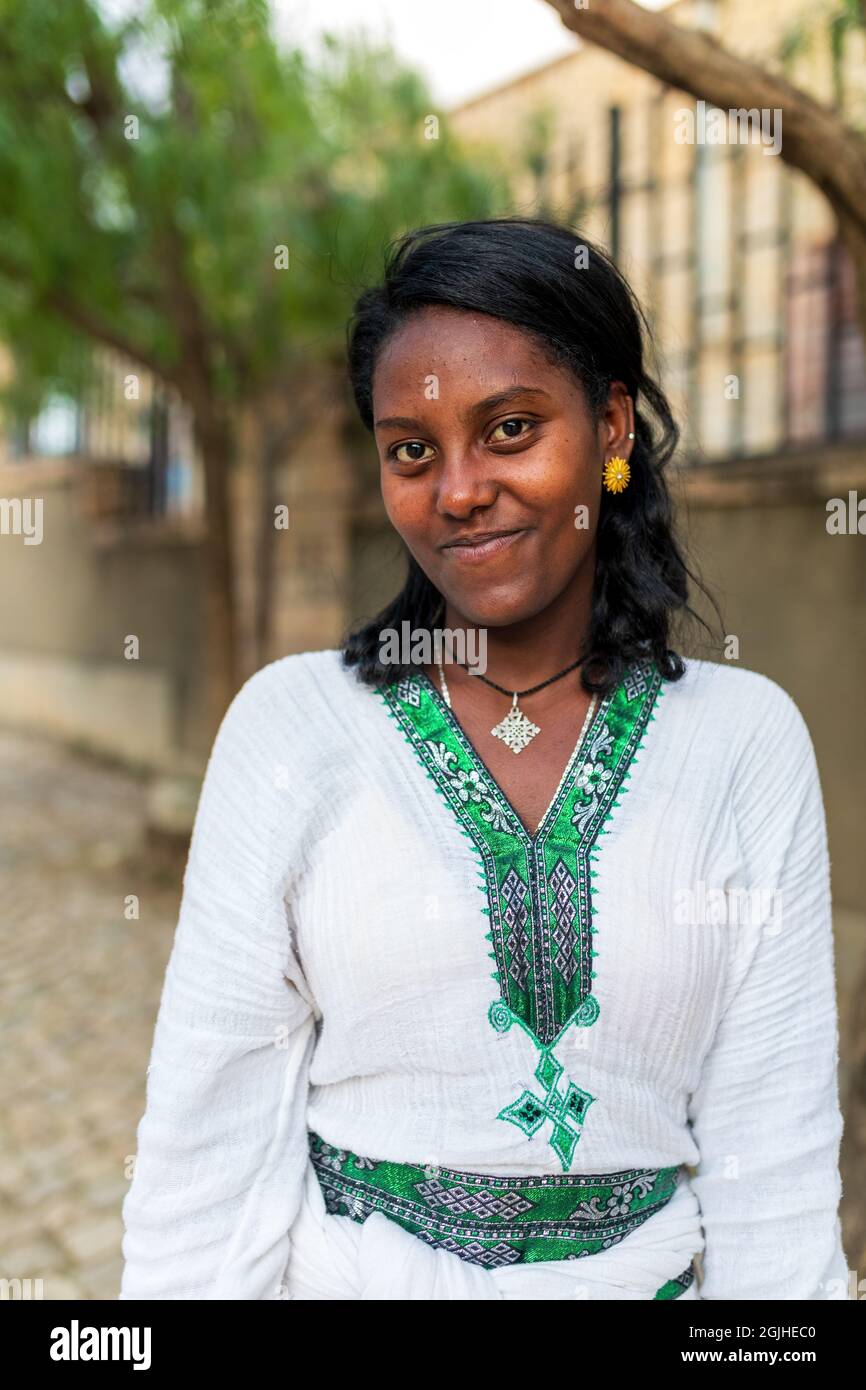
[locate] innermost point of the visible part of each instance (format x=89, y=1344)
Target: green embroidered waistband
x=494, y=1221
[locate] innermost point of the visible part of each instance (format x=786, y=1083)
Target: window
x=55, y=431
x=825, y=367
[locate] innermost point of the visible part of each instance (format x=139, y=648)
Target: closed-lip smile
x=481, y=544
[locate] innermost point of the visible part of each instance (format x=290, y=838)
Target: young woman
x=513, y=977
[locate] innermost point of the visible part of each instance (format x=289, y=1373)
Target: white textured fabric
x=330, y=971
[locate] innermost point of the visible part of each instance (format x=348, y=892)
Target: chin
x=495, y=610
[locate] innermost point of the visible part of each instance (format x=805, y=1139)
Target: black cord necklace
x=519, y=694
x=515, y=730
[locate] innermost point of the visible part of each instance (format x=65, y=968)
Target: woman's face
x=479, y=436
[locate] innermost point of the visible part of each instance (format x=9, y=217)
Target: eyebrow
x=408, y=422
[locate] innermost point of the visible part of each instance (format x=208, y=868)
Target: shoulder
x=743, y=732
x=285, y=744
x=312, y=681
x=741, y=705
x=306, y=711
x=737, y=730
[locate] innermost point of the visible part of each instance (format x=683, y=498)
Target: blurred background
x=191, y=196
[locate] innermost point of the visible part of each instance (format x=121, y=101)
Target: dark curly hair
x=523, y=271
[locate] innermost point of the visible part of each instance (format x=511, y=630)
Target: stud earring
x=616, y=474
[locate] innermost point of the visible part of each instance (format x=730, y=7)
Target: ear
x=618, y=420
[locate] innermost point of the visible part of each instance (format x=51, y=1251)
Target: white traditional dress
x=405, y=1049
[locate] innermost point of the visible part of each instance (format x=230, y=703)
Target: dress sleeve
x=765, y=1115
x=222, y=1151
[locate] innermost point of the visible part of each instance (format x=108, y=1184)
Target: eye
x=394, y=451
x=511, y=434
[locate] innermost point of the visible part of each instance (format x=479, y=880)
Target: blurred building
x=733, y=255
x=751, y=299
x=121, y=501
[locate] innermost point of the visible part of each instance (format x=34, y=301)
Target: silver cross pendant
x=515, y=730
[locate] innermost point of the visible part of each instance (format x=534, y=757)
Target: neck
x=530, y=651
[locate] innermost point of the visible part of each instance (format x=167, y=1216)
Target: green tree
x=151, y=170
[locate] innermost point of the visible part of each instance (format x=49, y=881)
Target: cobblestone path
x=78, y=999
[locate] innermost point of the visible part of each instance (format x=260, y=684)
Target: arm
x=222, y=1145
x=765, y=1115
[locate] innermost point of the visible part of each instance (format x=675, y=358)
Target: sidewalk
x=78, y=999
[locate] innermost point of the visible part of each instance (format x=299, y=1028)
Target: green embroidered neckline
x=538, y=887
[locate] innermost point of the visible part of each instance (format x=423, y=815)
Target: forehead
x=460, y=347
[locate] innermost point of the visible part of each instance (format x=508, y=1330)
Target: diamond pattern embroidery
x=457, y=1201
x=637, y=680
x=494, y=1257
x=564, y=911
x=408, y=691
x=516, y=916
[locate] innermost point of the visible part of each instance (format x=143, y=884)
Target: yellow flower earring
x=617, y=472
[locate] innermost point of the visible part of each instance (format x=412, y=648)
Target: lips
x=482, y=548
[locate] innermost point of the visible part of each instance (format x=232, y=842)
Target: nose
x=464, y=483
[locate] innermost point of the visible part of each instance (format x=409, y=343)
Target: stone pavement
x=78, y=999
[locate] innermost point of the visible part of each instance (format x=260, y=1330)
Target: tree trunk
x=281, y=417
x=272, y=442
x=215, y=438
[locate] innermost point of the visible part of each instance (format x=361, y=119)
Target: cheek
x=405, y=507
x=570, y=505
x=568, y=477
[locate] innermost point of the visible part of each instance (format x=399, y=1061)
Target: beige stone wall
x=793, y=596
x=70, y=603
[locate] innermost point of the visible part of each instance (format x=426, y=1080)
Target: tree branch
x=178, y=300
x=86, y=321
